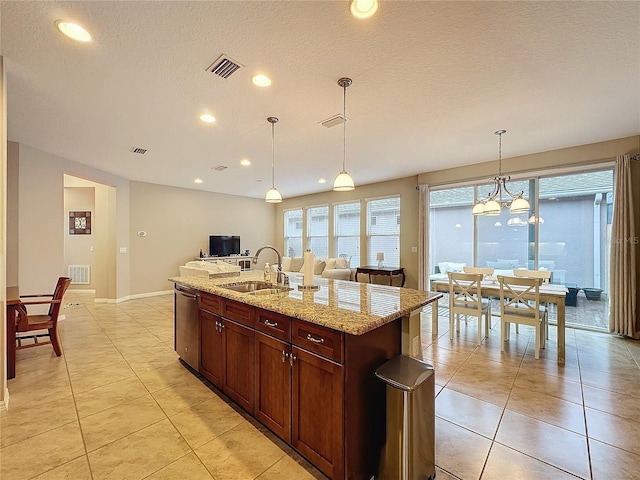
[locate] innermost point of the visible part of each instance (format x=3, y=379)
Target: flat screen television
x=224, y=245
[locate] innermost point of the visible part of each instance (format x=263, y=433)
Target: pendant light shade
x=273, y=195
x=344, y=182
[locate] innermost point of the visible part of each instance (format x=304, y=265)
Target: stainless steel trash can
x=409, y=451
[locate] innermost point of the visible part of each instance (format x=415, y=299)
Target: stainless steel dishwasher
x=187, y=327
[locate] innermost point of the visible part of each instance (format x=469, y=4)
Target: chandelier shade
x=273, y=195
x=493, y=204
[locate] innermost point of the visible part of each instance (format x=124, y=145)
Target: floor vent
x=80, y=274
x=138, y=150
x=224, y=66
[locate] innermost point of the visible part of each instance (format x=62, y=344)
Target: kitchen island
x=303, y=362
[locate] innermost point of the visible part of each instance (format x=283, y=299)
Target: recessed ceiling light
x=363, y=8
x=322, y=180
x=205, y=117
x=245, y=162
x=197, y=180
x=74, y=31
x=261, y=80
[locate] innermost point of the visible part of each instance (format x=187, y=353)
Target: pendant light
x=492, y=205
x=273, y=195
x=344, y=182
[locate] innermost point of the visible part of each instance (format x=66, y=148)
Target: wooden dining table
x=13, y=300
x=549, y=293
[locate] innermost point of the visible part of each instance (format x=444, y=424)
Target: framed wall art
x=79, y=223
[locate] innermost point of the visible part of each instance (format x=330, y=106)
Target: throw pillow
x=286, y=264
x=318, y=266
x=330, y=264
x=342, y=263
x=296, y=264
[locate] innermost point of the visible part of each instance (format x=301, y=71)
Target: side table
x=387, y=271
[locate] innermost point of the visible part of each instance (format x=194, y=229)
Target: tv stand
x=243, y=261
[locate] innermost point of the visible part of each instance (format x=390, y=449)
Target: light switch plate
x=123, y=249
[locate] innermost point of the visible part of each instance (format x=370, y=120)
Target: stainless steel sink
x=255, y=288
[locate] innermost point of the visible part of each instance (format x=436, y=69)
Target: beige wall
x=564, y=157
x=80, y=249
x=178, y=223
x=12, y=214
x=43, y=220
x=409, y=203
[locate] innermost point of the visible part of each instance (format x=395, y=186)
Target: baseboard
x=132, y=297
x=81, y=291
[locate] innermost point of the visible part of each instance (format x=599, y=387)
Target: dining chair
x=486, y=271
x=520, y=304
x=465, y=299
x=545, y=275
x=32, y=322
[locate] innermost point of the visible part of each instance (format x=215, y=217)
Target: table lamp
x=380, y=258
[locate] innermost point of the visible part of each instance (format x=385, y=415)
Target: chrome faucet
x=282, y=278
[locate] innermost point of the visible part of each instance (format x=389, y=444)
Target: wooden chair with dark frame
x=48, y=321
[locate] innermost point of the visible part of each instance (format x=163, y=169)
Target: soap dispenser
x=267, y=272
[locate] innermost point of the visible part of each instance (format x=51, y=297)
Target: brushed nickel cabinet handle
x=270, y=324
x=292, y=358
x=314, y=340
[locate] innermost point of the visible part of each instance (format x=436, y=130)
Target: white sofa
x=337, y=268
x=201, y=268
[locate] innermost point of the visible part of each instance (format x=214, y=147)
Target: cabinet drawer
x=209, y=302
x=239, y=312
x=318, y=339
x=274, y=324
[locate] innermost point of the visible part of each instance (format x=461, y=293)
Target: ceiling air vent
x=138, y=150
x=219, y=168
x=333, y=121
x=224, y=66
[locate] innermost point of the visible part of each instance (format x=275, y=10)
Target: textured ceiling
x=432, y=81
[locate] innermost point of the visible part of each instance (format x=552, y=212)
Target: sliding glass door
x=567, y=231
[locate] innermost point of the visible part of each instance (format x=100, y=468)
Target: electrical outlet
x=416, y=346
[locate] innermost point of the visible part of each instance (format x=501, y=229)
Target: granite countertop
x=351, y=307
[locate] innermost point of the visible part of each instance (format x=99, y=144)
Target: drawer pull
x=270, y=324
x=314, y=340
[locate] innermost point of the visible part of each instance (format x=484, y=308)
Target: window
x=293, y=233
x=383, y=231
x=567, y=231
x=318, y=230
x=451, y=230
x=346, y=231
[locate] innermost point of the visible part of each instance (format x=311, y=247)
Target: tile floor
x=119, y=405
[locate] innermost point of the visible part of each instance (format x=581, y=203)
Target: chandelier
x=492, y=205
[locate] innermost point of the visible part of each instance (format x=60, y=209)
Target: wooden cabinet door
x=212, y=353
x=273, y=385
x=240, y=363
x=317, y=424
